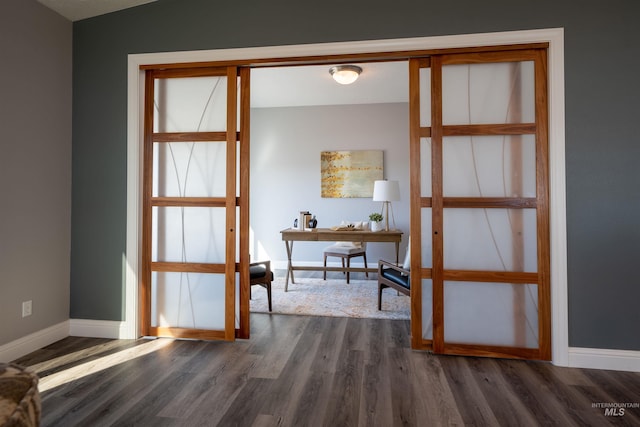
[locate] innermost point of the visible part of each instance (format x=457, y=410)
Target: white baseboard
x=596, y=358
x=32, y=342
x=98, y=329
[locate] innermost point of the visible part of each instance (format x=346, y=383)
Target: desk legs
x=289, y=245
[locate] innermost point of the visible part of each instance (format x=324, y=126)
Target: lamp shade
x=386, y=191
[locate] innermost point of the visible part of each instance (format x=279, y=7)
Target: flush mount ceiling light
x=345, y=74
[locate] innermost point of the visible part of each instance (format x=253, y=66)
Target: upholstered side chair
x=394, y=276
x=260, y=274
x=345, y=252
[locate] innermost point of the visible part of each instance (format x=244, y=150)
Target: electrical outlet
x=26, y=308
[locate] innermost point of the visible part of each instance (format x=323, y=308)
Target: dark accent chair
x=392, y=276
x=345, y=253
x=260, y=274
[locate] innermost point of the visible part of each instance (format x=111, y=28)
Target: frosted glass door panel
x=238, y=169
x=489, y=166
x=490, y=93
x=189, y=169
x=238, y=105
x=425, y=97
x=427, y=242
x=237, y=316
x=196, y=104
x=237, y=259
x=490, y=239
x=491, y=314
x=427, y=309
x=188, y=300
x=188, y=234
x=425, y=167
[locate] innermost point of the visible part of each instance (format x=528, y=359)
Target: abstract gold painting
x=350, y=173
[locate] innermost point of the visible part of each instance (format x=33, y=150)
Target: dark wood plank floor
x=299, y=371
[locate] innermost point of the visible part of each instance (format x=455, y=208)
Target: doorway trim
x=557, y=177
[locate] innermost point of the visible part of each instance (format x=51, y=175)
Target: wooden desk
x=291, y=235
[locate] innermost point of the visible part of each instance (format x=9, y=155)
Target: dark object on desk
x=392, y=276
x=260, y=274
x=310, y=223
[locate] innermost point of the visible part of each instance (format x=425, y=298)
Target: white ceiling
x=75, y=10
x=381, y=82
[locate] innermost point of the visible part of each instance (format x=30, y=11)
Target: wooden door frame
x=437, y=201
x=366, y=50
x=229, y=202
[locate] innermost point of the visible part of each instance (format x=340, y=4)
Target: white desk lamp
x=386, y=192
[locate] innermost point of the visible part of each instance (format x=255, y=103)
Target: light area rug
x=317, y=297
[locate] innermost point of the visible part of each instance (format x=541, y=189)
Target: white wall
x=285, y=172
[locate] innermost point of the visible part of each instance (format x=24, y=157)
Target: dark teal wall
x=602, y=147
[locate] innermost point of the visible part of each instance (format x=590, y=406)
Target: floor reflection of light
x=76, y=372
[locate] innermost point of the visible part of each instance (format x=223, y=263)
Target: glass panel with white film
x=427, y=309
x=188, y=300
x=496, y=314
x=189, y=169
x=425, y=97
x=188, y=235
x=425, y=167
x=489, y=166
x=490, y=239
x=191, y=104
x=489, y=93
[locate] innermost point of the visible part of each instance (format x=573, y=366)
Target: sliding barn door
x=480, y=185
x=195, y=217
